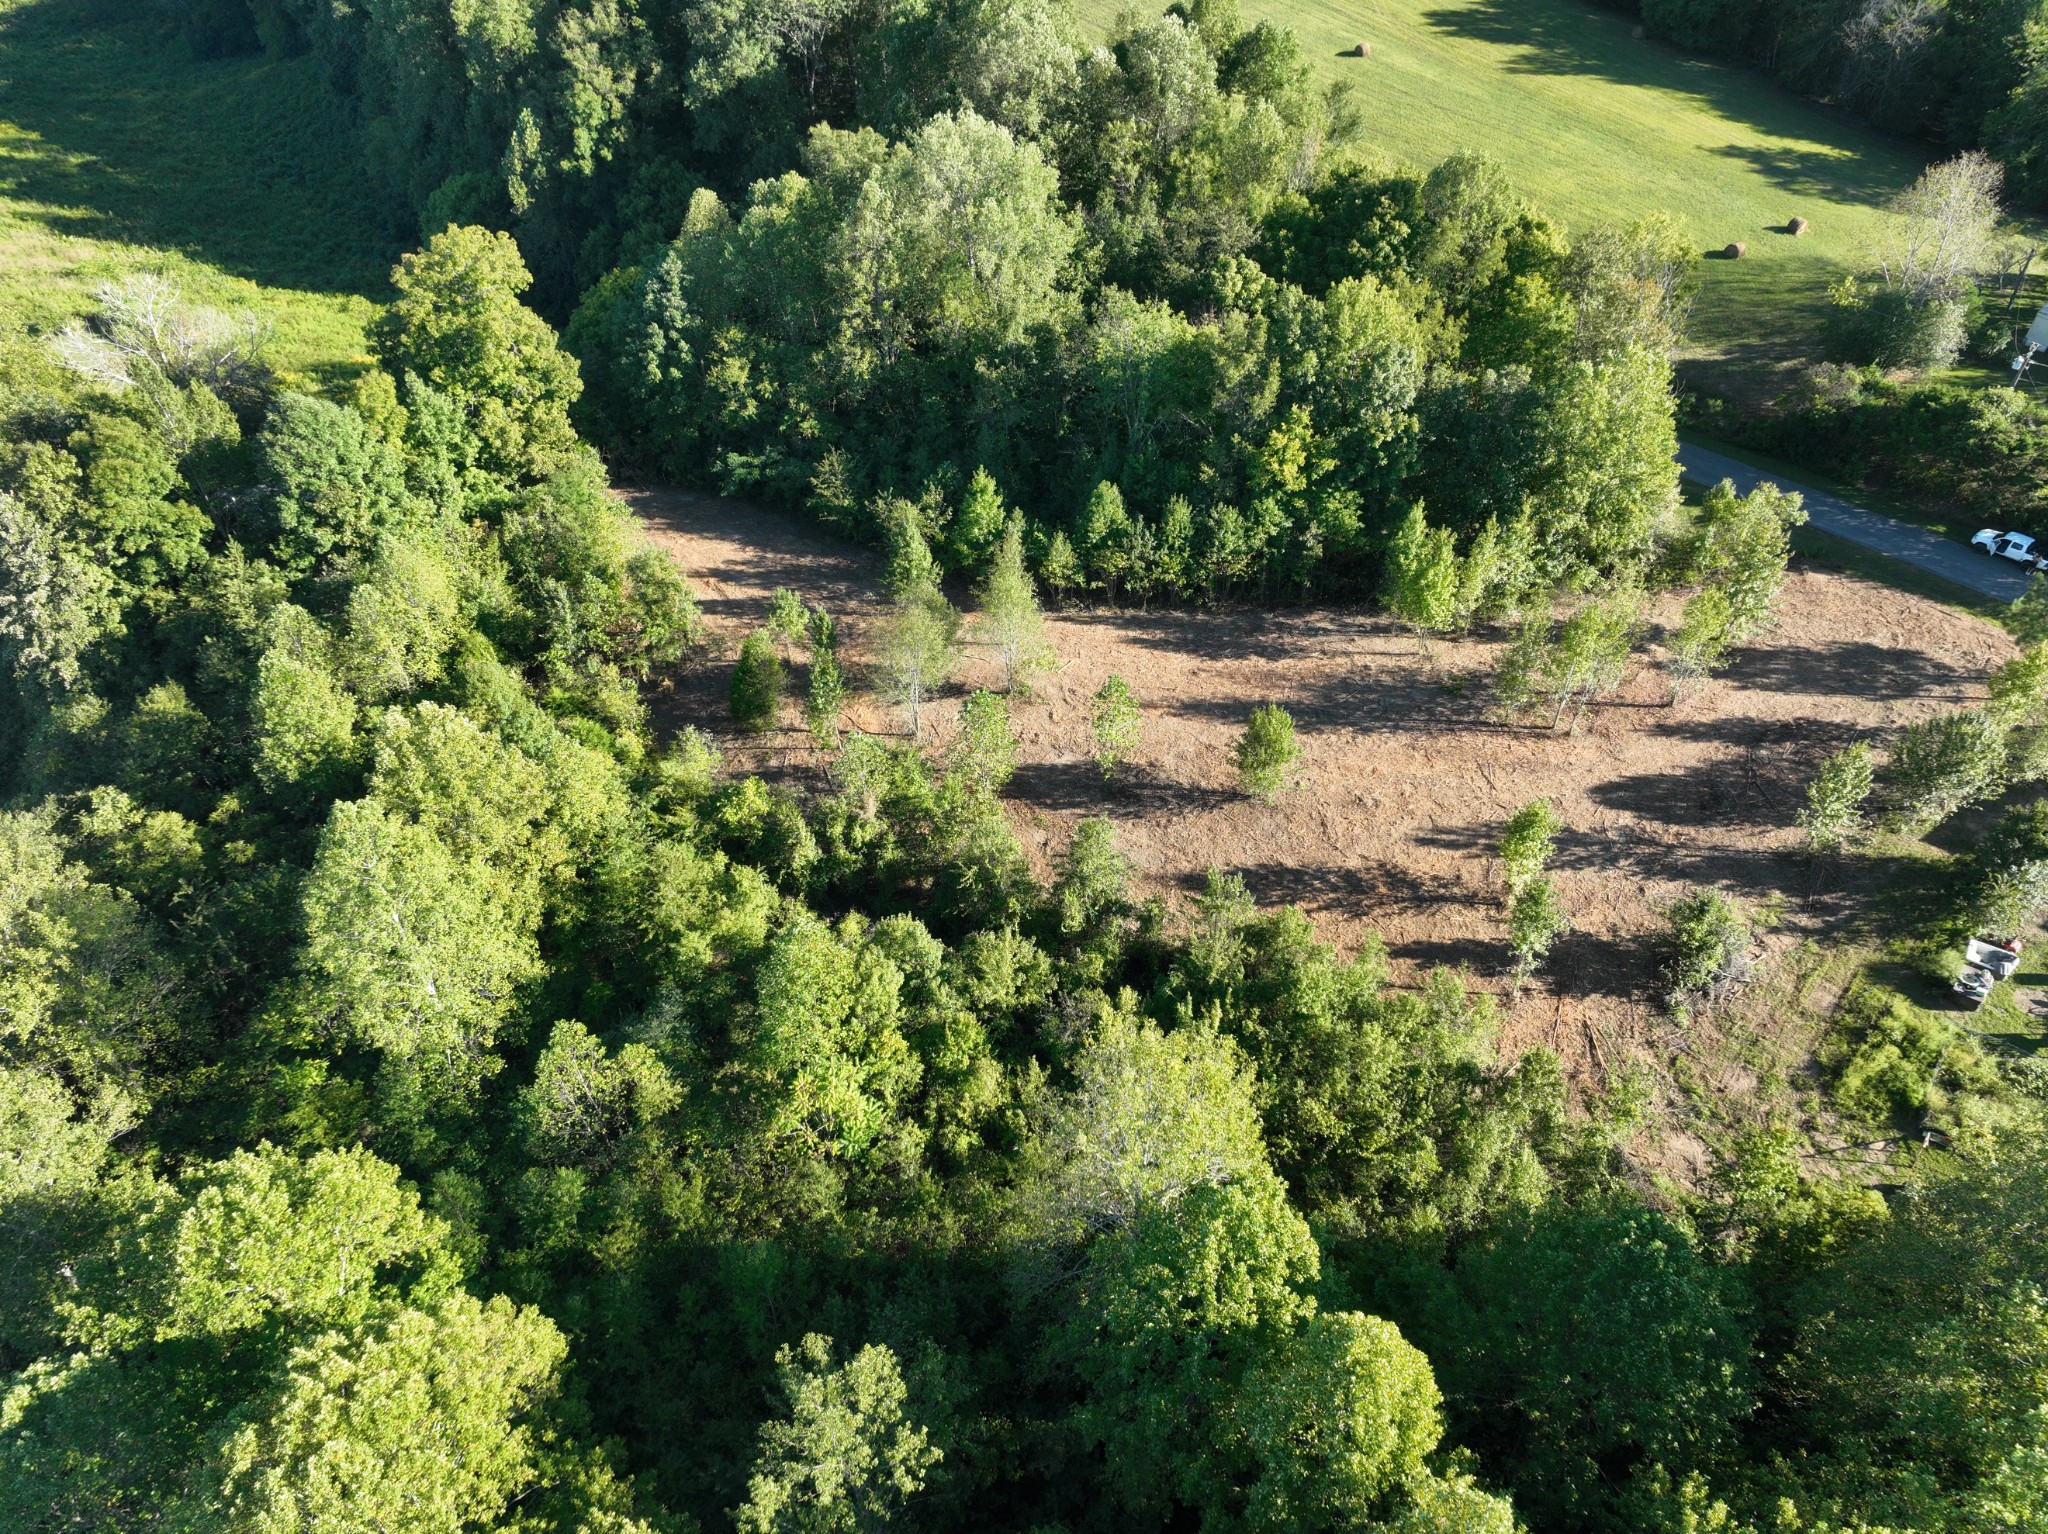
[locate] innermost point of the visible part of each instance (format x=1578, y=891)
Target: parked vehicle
x=2020, y=548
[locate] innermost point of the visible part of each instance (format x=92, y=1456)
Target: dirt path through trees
x=1405, y=779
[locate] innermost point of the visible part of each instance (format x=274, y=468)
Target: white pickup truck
x=2020, y=548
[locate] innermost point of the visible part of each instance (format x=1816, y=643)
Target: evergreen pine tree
x=1010, y=621
x=911, y=566
x=1106, y=538
x=1265, y=752
x=1422, y=582
x=978, y=523
x=756, y=684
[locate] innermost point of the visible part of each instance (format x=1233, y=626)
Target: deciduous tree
x=1152, y=1115
x=1526, y=844
x=458, y=325
x=1114, y=720
x=408, y=946
x=1422, y=576
x=827, y=685
x=1834, y=800
x=1536, y=920
x=1939, y=765
x=985, y=749
x=847, y=1456
x=1590, y=654
x=1700, y=646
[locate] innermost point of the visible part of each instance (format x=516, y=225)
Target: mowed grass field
x=119, y=152
x=1594, y=124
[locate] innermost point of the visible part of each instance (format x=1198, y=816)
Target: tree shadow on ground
x=1135, y=793
x=1227, y=633
x=1754, y=791
x=1587, y=964
x=1481, y=956
x=1849, y=668
x=1818, y=171
x=1566, y=40
x=1356, y=702
x=1376, y=885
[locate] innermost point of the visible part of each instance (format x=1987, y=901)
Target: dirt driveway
x=1406, y=781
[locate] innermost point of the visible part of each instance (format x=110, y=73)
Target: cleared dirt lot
x=1405, y=779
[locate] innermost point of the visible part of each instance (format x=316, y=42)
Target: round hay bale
x=1735, y=250
x=1638, y=32
x=1359, y=51
x=1797, y=226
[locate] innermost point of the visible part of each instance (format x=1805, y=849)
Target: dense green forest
x=432, y=1099
x=842, y=256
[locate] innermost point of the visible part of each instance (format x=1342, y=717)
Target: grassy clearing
x=1593, y=123
x=119, y=152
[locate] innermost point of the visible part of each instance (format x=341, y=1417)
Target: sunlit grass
x=119, y=152
x=1595, y=124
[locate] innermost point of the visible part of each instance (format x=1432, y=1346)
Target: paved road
x=1949, y=558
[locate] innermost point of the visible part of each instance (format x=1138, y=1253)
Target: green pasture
x=1593, y=123
x=119, y=152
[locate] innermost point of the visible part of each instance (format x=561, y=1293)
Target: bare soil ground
x=1406, y=779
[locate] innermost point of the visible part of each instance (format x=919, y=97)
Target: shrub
x=1978, y=451
x=2011, y=897
x=985, y=750
x=1834, y=801
x=1526, y=844
x=1265, y=752
x=1536, y=921
x=2007, y=882
x=756, y=684
x=1940, y=765
x=1706, y=953
x=827, y=698
x=1885, y=1051
x=1114, y=718
x=1891, y=328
